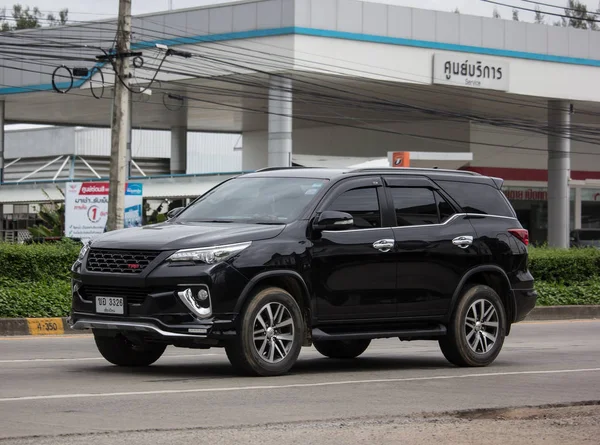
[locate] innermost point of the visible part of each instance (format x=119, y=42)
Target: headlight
x=209, y=255
x=83, y=251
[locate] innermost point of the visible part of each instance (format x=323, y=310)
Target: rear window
x=589, y=235
x=478, y=198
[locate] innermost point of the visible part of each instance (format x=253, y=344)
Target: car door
x=433, y=246
x=353, y=270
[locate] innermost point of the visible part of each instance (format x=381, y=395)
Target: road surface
x=60, y=386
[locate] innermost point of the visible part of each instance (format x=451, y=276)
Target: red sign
x=401, y=159
x=94, y=188
x=526, y=195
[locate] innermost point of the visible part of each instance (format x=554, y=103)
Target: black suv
x=271, y=261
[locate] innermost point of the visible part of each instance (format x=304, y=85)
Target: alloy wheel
x=481, y=326
x=273, y=332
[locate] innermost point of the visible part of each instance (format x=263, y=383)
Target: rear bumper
x=525, y=300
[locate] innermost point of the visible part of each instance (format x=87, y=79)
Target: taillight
x=521, y=234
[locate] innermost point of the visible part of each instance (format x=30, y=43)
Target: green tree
x=24, y=17
x=62, y=19
x=577, y=16
x=53, y=217
x=539, y=17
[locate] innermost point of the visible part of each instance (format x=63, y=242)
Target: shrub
x=570, y=266
x=38, y=262
x=50, y=298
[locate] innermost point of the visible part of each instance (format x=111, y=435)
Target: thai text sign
x=470, y=71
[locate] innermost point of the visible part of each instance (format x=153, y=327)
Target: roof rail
x=415, y=169
x=268, y=169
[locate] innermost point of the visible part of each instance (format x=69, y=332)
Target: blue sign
x=134, y=189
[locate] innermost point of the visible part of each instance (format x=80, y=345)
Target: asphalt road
x=61, y=386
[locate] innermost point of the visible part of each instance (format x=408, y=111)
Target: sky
x=83, y=10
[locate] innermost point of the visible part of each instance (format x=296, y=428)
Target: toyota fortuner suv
x=274, y=260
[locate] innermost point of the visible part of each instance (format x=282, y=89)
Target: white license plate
x=110, y=305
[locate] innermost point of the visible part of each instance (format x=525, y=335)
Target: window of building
x=362, y=204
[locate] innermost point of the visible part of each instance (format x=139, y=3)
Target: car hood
x=174, y=236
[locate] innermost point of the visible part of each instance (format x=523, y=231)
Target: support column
x=280, y=122
x=1, y=167
x=179, y=142
x=559, y=166
x=578, y=207
x=1, y=141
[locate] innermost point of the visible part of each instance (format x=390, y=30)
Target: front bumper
x=157, y=303
x=215, y=329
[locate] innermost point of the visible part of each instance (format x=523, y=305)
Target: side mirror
x=330, y=220
x=174, y=212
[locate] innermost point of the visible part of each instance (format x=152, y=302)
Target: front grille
x=119, y=261
x=132, y=295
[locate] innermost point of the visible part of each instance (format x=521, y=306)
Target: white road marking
x=292, y=386
x=85, y=359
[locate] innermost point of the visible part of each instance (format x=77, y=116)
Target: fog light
x=203, y=294
x=193, y=302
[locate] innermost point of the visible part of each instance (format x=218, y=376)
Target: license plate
x=110, y=305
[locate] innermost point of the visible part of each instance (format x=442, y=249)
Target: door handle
x=463, y=241
x=384, y=245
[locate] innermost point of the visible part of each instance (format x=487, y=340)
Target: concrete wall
x=530, y=150
x=341, y=141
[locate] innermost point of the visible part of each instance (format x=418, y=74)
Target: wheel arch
x=289, y=280
x=494, y=277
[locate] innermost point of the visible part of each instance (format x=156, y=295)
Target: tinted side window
x=478, y=198
x=362, y=204
x=414, y=206
x=444, y=208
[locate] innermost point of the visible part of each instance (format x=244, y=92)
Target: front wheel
x=122, y=352
x=270, y=334
x=477, y=329
x=343, y=349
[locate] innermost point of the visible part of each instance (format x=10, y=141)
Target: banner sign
x=86, y=208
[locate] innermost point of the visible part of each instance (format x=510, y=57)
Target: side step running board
x=437, y=331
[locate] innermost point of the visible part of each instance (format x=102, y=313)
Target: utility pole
x=120, y=119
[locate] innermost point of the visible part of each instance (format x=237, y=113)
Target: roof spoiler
x=499, y=182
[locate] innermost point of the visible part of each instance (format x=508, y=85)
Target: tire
x=260, y=348
x=121, y=352
x=343, y=349
x=463, y=332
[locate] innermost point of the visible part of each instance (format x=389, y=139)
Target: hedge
x=35, y=282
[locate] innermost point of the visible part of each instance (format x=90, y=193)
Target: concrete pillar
x=179, y=141
x=1, y=167
x=578, y=207
x=178, y=150
x=559, y=166
x=280, y=122
x=254, y=151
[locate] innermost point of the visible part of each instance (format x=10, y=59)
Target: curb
x=59, y=326
x=36, y=326
x=548, y=313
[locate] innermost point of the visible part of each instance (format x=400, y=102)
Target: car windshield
x=254, y=200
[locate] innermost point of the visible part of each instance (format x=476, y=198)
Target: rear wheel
x=477, y=329
x=344, y=349
x=119, y=351
x=270, y=334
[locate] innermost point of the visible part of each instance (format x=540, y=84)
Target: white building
x=304, y=80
